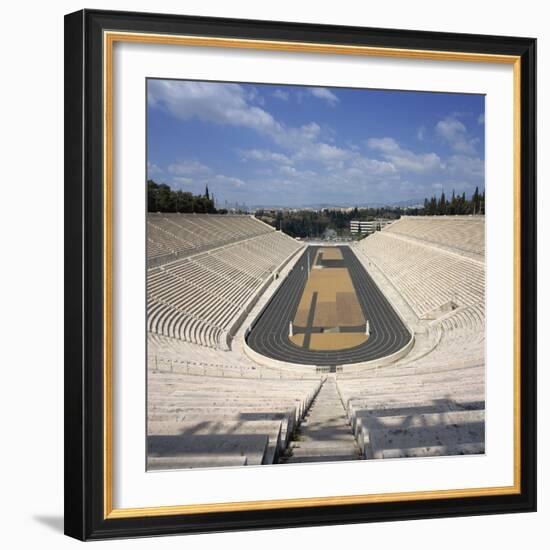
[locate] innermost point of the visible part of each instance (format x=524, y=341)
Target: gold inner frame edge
x=109, y=39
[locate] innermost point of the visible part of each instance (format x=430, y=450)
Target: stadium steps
x=198, y=421
x=431, y=415
x=462, y=234
x=220, y=428
x=420, y=435
x=206, y=447
x=324, y=435
x=194, y=461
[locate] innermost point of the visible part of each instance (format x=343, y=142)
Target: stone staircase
x=325, y=434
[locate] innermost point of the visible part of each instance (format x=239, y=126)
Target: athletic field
x=329, y=315
x=318, y=315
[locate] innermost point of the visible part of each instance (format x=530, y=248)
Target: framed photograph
x=300, y=274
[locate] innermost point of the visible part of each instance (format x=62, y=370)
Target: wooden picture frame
x=89, y=39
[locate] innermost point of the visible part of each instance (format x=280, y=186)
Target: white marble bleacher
x=463, y=234
x=196, y=420
x=173, y=355
x=433, y=404
x=397, y=406
x=174, y=235
x=426, y=276
x=198, y=298
x=211, y=408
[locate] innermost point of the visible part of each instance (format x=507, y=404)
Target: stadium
x=263, y=349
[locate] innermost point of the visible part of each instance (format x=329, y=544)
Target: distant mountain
x=411, y=203
x=318, y=206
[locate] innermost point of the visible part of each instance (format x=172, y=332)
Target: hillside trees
x=161, y=198
x=458, y=205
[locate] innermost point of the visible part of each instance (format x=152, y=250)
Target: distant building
x=362, y=227
x=330, y=234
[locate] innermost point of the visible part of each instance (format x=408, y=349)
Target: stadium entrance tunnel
x=328, y=311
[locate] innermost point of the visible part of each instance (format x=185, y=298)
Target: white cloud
x=405, y=160
x=226, y=104
x=466, y=167
x=219, y=184
x=294, y=139
x=153, y=169
x=386, y=145
x=180, y=180
x=230, y=181
x=281, y=94
x=326, y=95
x=253, y=95
x=456, y=135
x=212, y=102
x=188, y=168
x=288, y=170
x=421, y=133
x=323, y=152
x=193, y=175
x=451, y=129
x=265, y=156
x=373, y=166
x=481, y=119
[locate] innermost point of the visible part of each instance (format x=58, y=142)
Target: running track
x=269, y=334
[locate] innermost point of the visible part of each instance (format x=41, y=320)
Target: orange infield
x=328, y=304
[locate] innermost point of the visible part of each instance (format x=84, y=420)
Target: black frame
x=84, y=518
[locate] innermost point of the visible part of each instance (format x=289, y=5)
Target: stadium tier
x=210, y=404
x=417, y=411
x=431, y=403
x=172, y=236
x=464, y=234
x=428, y=277
x=202, y=297
x=200, y=421
x=176, y=356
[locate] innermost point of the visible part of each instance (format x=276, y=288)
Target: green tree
x=442, y=205
x=152, y=196
x=161, y=198
x=475, y=201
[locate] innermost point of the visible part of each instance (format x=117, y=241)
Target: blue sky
x=295, y=146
